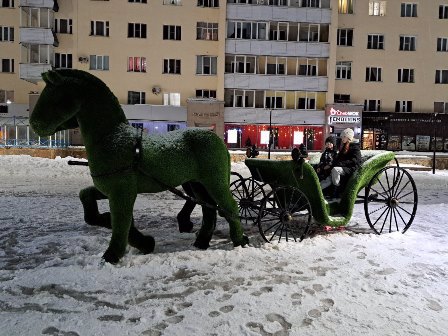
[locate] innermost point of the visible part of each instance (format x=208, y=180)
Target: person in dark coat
x=346, y=162
x=323, y=169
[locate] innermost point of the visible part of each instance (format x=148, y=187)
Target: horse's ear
x=52, y=77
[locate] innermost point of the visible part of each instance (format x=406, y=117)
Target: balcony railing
x=37, y=3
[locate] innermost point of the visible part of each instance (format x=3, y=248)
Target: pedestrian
x=323, y=169
x=346, y=162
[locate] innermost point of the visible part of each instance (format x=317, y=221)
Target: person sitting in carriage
x=323, y=169
x=347, y=161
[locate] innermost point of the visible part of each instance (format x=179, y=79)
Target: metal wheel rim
x=249, y=194
x=290, y=220
x=391, y=200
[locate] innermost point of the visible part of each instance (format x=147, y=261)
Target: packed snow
x=352, y=282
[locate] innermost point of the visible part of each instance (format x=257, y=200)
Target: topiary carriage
x=284, y=198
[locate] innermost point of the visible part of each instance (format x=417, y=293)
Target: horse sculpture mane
x=196, y=159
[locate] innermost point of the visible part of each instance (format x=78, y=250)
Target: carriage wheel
x=285, y=213
x=391, y=200
x=248, y=193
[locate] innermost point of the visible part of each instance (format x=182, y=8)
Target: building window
x=6, y=96
x=173, y=2
x=273, y=102
x=137, y=30
x=443, y=12
x=99, y=62
x=305, y=3
x=441, y=76
x=373, y=74
x=247, y=30
x=441, y=107
x=305, y=103
x=372, y=105
x=208, y=3
x=207, y=31
x=6, y=34
x=171, y=66
x=206, y=65
x=405, y=75
x=63, y=26
x=206, y=93
x=403, y=106
x=341, y=98
x=137, y=64
x=345, y=37
x=63, y=61
x=138, y=1
x=99, y=28
x=7, y=3
x=345, y=6
x=343, y=70
x=375, y=41
x=171, y=32
x=407, y=43
x=136, y=97
x=172, y=98
x=442, y=44
x=307, y=70
x=377, y=8
x=408, y=10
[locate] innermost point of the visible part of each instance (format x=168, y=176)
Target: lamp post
x=434, y=144
x=270, y=134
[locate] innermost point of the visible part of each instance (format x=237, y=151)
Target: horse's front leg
x=121, y=202
x=89, y=197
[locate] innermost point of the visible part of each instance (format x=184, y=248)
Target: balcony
x=277, y=48
x=279, y=117
x=37, y=36
x=38, y=3
x=32, y=72
x=275, y=82
x=277, y=13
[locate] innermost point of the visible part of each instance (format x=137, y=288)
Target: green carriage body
x=303, y=177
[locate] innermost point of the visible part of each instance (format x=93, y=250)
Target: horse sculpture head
x=65, y=94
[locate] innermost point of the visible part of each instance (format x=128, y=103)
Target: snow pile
x=53, y=281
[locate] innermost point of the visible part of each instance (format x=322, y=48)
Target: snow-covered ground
x=53, y=281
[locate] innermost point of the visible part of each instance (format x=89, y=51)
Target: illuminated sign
x=343, y=117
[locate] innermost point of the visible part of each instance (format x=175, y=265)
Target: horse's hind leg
x=89, y=197
x=145, y=244
x=229, y=210
x=208, y=216
x=183, y=217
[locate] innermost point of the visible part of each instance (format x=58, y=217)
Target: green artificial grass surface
x=289, y=173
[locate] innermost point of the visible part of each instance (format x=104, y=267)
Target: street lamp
x=434, y=143
x=270, y=134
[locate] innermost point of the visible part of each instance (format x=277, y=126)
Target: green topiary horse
x=124, y=163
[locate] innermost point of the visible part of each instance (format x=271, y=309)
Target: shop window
x=375, y=41
x=172, y=127
x=377, y=8
x=403, y=106
x=373, y=74
x=345, y=37
x=408, y=10
x=405, y=75
x=441, y=107
x=372, y=105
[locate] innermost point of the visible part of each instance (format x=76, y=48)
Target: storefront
x=342, y=116
x=405, y=131
x=284, y=137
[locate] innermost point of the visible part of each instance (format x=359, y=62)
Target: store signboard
x=343, y=117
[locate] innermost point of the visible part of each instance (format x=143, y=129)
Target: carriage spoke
x=403, y=196
x=371, y=212
x=384, y=222
x=397, y=184
x=398, y=194
x=380, y=216
x=395, y=217
x=405, y=210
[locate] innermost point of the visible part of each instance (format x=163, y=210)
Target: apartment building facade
x=302, y=68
